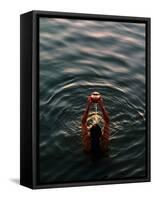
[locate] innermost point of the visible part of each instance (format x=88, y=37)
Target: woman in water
x=94, y=139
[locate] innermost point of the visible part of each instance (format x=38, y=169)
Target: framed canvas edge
x=26, y=173
x=90, y=183
x=35, y=71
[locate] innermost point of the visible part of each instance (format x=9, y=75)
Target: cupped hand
x=95, y=98
x=89, y=100
x=101, y=101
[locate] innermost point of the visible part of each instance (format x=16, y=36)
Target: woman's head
x=95, y=131
x=95, y=134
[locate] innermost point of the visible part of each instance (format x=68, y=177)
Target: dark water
x=78, y=57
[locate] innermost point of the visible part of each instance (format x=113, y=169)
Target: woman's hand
x=101, y=101
x=95, y=98
x=89, y=100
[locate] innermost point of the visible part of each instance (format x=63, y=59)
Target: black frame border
x=35, y=94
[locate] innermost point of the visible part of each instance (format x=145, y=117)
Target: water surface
x=78, y=57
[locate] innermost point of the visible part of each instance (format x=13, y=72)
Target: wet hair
x=95, y=134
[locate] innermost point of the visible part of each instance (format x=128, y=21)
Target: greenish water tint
x=78, y=57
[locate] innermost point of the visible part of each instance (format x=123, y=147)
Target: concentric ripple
x=78, y=57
